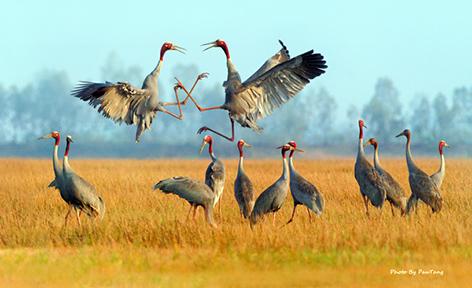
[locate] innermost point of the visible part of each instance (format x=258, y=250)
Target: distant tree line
x=312, y=118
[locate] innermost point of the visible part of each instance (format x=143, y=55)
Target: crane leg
x=293, y=214
x=77, y=215
x=205, y=128
x=366, y=203
x=188, y=214
x=67, y=216
x=273, y=219
x=309, y=213
x=181, y=115
x=177, y=86
x=201, y=109
x=194, y=214
x=393, y=211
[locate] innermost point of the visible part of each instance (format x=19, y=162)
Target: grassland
x=144, y=240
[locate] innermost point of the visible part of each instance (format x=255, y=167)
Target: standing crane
x=80, y=195
x=303, y=192
x=369, y=180
x=215, y=173
x=395, y=194
x=57, y=182
x=438, y=177
x=422, y=186
x=272, y=199
x=275, y=83
x=194, y=191
x=122, y=102
x=243, y=188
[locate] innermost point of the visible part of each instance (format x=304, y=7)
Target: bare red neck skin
x=408, y=138
x=361, y=131
x=283, y=150
x=375, y=144
x=240, y=148
x=163, y=51
x=210, y=147
x=58, y=139
x=225, y=49
x=441, y=145
x=291, y=153
x=66, y=154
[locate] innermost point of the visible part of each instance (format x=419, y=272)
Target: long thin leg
x=77, y=215
x=181, y=115
x=67, y=216
x=201, y=109
x=205, y=128
x=393, y=211
x=200, y=77
x=194, y=214
x=366, y=203
x=273, y=219
x=188, y=214
x=293, y=214
x=309, y=213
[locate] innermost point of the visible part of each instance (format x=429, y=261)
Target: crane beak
x=401, y=134
x=47, y=136
x=299, y=150
x=179, y=49
x=247, y=145
x=213, y=44
x=363, y=125
x=202, y=146
x=446, y=145
x=280, y=147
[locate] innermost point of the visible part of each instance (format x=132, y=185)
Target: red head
x=442, y=144
x=218, y=43
x=54, y=134
x=373, y=142
x=293, y=147
x=240, y=145
x=361, y=130
x=207, y=140
x=284, y=149
x=68, y=140
x=169, y=46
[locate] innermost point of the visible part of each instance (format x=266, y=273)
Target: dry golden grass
x=144, y=240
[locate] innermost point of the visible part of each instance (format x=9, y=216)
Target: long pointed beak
x=280, y=147
x=47, y=136
x=364, y=126
x=213, y=44
x=247, y=145
x=179, y=49
x=201, y=147
x=401, y=134
x=299, y=150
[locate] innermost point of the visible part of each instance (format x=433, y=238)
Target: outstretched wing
x=120, y=101
x=281, y=56
x=278, y=85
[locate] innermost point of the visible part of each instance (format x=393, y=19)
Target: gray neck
x=376, y=159
x=442, y=167
x=234, y=80
x=213, y=157
x=290, y=165
x=65, y=165
x=150, y=83
x=285, y=169
x=360, y=148
x=55, y=162
x=241, y=165
x=409, y=159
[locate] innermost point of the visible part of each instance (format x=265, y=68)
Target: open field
x=144, y=240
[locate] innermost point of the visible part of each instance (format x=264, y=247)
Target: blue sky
x=424, y=47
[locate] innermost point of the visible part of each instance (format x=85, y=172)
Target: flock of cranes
x=278, y=80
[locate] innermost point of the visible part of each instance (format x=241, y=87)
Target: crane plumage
x=422, y=186
x=395, y=194
x=243, y=188
x=57, y=181
x=438, y=177
x=275, y=83
x=272, y=199
x=369, y=180
x=80, y=194
x=303, y=192
x=215, y=172
x=124, y=103
x=193, y=191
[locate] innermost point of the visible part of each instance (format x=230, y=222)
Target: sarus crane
x=243, y=188
x=303, y=192
x=275, y=83
x=395, y=194
x=57, y=182
x=422, y=186
x=272, y=199
x=81, y=195
x=193, y=191
x=215, y=173
x=122, y=102
x=369, y=180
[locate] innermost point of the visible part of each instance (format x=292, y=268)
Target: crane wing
x=186, y=188
x=215, y=171
x=426, y=190
x=278, y=85
x=119, y=101
x=85, y=196
x=281, y=56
